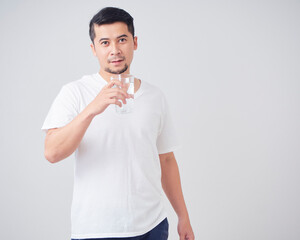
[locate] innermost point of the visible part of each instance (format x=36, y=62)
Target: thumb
x=182, y=237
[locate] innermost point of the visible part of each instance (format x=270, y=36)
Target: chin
x=117, y=71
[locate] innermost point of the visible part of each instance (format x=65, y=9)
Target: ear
x=93, y=49
x=135, y=42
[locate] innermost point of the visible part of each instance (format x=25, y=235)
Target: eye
x=104, y=43
x=122, y=40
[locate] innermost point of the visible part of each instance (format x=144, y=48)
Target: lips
x=117, y=61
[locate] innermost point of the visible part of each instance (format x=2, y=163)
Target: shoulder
x=76, y=85
x=86, y=79
x=154, y=89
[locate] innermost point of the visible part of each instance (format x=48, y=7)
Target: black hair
x=111, y=15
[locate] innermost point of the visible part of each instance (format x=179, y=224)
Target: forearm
x=172, y=187
x=62, y=142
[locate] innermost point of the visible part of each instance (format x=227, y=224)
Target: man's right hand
x=108, y=95
x=62, y=142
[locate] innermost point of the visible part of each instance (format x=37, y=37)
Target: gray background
x=230, y=71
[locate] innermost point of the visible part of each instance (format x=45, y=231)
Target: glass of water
x=127, y=81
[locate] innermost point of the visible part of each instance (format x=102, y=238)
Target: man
x=122, y=161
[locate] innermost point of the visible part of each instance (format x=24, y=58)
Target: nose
x=115, y=49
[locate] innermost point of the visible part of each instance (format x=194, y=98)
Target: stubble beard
x=116, y=72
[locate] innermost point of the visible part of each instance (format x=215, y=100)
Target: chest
x=139, y=127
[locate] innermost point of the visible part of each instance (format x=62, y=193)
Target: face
x=114, y=46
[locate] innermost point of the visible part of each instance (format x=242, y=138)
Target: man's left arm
x=172, y=187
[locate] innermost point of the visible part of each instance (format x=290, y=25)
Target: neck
x=106, y=75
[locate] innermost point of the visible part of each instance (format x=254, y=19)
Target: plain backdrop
x=230, y=71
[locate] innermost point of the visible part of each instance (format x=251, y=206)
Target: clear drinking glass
x=128, y=85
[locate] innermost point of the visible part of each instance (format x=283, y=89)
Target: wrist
x=184, y=217
x=88, y=114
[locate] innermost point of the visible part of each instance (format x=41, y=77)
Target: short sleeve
x=167, y=140
x=63, y=109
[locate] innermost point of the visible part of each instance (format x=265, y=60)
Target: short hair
x=110, y=15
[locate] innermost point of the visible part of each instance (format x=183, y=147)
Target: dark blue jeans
x=160, y=232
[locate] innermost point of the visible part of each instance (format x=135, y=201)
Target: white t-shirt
x=117, y=176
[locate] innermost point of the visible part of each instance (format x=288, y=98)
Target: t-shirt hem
x=170, y=149
x=108, y=235
x=45, y=128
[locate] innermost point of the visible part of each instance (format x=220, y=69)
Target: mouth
x=117, y=61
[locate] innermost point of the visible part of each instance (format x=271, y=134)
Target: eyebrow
x=123, y=35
